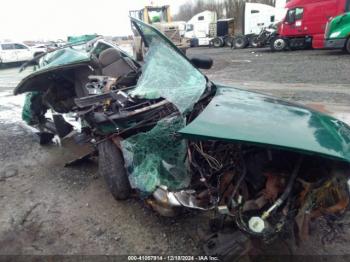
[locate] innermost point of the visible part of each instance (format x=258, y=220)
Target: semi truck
x=257, y=17
x=205, y=28
x=305, y=22
x=198, y=28
x=337, y=33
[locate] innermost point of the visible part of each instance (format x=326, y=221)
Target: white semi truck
x=198, y=27
x=204, y=28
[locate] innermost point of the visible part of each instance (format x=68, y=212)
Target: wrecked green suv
x=164, y=131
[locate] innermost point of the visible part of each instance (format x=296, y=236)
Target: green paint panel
x=63, y=57
x=339, y=27
x=242, y=116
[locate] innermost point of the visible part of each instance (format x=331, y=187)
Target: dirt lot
x=49, y=209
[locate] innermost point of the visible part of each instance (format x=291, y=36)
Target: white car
x=18, y=52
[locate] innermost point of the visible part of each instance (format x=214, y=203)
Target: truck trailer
x=305, y=22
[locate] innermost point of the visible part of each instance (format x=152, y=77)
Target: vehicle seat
x=112, y=63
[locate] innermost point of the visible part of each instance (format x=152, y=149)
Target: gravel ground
x=304, y=67
x=49, y=209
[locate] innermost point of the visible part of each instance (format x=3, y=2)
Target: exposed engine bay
x=264, y=193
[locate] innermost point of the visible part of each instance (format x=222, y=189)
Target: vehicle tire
x=229, y=41
x=347, y=46
x=253, y=41
x=111, y=167
x=218, y=42
x=240, y=42
x=278, y=44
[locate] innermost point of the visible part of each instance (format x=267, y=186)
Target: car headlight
x=334, y=35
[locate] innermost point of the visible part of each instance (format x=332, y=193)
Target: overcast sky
x=54, y=19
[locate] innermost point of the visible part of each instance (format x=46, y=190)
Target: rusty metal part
x=226, y=187
x=332, y=197
x=302, y=220
x=329, y=199
x=255, y=204
x=273, y=187
x=286, y=191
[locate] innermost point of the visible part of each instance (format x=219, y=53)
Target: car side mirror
x=202, y=62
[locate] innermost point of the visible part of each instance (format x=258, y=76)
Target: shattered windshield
x=158, y=157
x=167, y=73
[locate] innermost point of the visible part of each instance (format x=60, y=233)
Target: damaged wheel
x=111, y=167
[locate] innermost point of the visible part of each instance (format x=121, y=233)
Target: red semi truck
x=305, y=23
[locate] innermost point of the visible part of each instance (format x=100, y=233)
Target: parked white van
x=17, y=52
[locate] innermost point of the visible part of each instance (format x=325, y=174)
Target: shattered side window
x=158, y=157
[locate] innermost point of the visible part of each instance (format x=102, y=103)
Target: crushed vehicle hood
x=243, y=116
